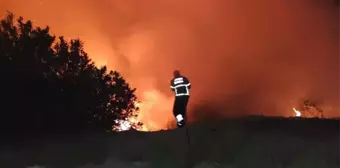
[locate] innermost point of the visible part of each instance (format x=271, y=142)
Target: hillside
x=239, y=143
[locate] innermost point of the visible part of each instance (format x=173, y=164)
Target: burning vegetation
x=130, y=122
x=309, y=109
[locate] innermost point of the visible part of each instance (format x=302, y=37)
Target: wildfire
x=297, y=113
x=130, y=122
x=309, y=109
x=153, y=113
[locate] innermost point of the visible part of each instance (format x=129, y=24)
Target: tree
x=51, y=85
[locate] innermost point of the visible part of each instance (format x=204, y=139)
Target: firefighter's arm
x=188, y=83
x=172, y=86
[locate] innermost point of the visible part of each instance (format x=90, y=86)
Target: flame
x=154, y=109
x=297, y=113
x=153, y=113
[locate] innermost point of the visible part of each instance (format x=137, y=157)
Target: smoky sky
x=241, y=56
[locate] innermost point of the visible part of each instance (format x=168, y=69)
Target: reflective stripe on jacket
x=181, y=86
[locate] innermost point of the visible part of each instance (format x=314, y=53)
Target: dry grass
x=243, y=143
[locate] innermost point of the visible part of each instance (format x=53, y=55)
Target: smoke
x=242, y=56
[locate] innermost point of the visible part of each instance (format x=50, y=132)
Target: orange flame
x=153, y=112
x=297, y=113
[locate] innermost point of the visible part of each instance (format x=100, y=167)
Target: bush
x=51, y=85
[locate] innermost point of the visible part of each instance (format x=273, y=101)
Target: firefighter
x=180, y=85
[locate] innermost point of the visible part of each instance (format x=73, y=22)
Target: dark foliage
x=50, y=85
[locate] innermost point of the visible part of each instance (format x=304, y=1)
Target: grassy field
x=260, y=142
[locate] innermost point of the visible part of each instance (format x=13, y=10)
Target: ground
x=239, y=143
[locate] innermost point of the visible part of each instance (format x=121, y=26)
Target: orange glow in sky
x=242, y=56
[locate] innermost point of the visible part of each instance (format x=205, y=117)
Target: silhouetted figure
x=181, y=87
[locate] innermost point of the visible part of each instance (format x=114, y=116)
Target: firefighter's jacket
x=181, y=86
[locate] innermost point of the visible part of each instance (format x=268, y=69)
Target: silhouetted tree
x=50, y=85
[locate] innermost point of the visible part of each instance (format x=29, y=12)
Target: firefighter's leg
x=185, y=103
x=175, y=108
x=177, y=111
x=181, y=112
